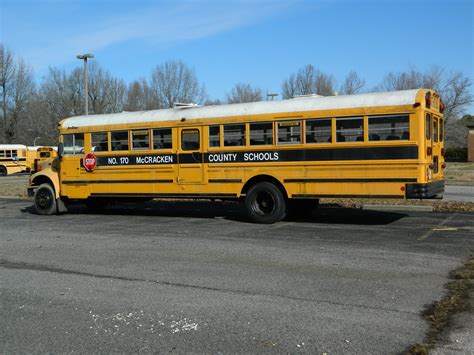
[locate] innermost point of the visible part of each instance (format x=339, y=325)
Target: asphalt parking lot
x=196, y=277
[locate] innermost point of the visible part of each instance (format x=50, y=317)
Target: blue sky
x=256, y=42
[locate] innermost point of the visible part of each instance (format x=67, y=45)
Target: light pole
x=84, y=57
x=272, y=95
x=34, y=141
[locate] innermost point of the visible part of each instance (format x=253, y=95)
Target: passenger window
x=73, y=144
x=214, y=136
x=389, y=127
x=289, y=132
x=234, y=134
x=350, y=129
x=261, y=133
x=141, y=139
x=435, y=129
x=162, y=138
x=119, y=140
x=190, y=139
x=99, y=142
x=428, y=126
x=319, y=131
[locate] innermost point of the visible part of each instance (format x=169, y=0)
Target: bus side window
x=318, y=131
x=141, y=139
x=162, y=138
x=190, y=139
x=389, y=127
x=214, y=136
x=234, y=134
x=428, y=126
x=289, y=132
x=99, y=142
x=119, y=140
x=73, y=144
x=261, y=133
x=350, y=129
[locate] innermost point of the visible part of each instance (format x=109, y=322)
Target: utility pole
x=86, y=96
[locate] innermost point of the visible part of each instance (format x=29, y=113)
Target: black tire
x=3, y=171
x=45, y=200
x=265, y=203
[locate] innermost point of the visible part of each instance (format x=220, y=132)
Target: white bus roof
x=299, y=104
x=12, y=146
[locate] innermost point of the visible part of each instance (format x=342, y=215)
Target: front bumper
x=433, y=189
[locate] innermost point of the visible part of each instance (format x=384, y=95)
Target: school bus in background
x=12, y=159
x=18, y=158
x=36, y=155
x=272, y=155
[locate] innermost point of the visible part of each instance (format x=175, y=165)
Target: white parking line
x=441, y=225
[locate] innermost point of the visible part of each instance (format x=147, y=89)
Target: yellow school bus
x=35, y=155
x=12, y=159
x=270, y=155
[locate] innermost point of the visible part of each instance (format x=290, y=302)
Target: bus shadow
x=236, y=212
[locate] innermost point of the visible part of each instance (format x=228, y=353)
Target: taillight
x=443, y=165
x=431, y=166
x=443, y=152
x=442, y=107
x=429, y=151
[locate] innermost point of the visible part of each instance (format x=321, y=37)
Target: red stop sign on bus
x=90, y=162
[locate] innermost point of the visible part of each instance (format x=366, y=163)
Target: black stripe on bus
x=344, y=196
x=8, y=159
x=224, y=180
x=264, y=156
x=355, y=180
x=164, y=195
x=76, y=182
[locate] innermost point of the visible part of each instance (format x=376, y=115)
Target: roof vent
x=184, y=105
x=305, y=96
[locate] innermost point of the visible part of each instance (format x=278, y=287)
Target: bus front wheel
x=265, y=203
x=3, y=171
x=45, y=200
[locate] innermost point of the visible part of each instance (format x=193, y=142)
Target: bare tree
x=7, y=72
x=308, y=80
x=106, y=94
x=353, y=84
x=140, y=97
x=453, y=87
x=174, y=81
x=244, y=93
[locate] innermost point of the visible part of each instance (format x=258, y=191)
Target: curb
x=403, y=208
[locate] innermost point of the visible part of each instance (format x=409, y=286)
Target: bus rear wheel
x=45, y=200
x=265, y=203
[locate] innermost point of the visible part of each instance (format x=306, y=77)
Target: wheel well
x=43, y=180
x=264, y=178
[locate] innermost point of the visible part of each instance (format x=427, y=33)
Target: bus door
x=190, y=156
x=72, y=156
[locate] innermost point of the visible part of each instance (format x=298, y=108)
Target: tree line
x=30, y=110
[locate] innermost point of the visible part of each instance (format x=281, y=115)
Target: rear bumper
x=433, y=189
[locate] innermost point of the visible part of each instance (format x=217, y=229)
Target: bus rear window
x=435, y=130
x=73, y=144
x=389, y=128
x=441, y=129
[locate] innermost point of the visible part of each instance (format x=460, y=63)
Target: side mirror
x=60, y=150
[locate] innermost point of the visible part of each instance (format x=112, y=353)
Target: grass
x=461, y=173
x=440, y=313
